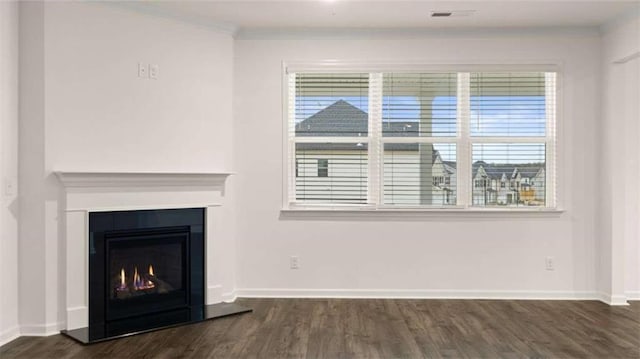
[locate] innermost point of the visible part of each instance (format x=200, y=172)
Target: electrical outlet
x=294, y=262
x=154, y=71
x=142, y=70
x=549, y=264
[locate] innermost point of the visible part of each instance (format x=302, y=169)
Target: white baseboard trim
x=40, y=330
x=229, y=297
x=8, y=335
x=612, y=299
x=633, y=295
x=412, y=294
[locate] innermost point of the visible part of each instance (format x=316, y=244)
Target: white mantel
x=141, y=179
x=113, y=191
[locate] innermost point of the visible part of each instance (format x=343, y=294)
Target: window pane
x=419, y=105
x=332, y=105
x=419, y=174
x=508, y=104
x=331, y=172
x=508, y=174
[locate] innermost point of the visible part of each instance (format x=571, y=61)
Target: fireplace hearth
x=146, y=271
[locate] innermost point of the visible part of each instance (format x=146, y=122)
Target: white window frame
x=375, y=141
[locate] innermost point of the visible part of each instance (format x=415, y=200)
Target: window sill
x=369, y=213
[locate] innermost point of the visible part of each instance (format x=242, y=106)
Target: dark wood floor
x=376, y=328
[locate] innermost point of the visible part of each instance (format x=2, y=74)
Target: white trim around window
x=375, y=142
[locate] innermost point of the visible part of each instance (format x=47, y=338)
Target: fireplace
x=146, y=270
x=130, y=271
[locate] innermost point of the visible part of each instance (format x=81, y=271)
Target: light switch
x=142, y=70
x=9, y=188
x=154, y=71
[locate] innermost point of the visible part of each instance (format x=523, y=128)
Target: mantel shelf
x=70, y=179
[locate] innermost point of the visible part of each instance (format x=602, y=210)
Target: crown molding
x=149, y=8
x=411, y=33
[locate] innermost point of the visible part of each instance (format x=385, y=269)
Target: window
x=422, y=139
x=323, y=168
x=330, y=124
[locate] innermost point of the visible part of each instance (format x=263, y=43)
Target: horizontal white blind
x=422, y=139
x=331, y=173
x=329, y=105
x=508, y=104
x=420, y=174
x=330, y=138
x=419, y=104
x=508, y=128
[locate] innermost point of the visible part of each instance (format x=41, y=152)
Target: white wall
x=8, y=170
x=101, y=116
x=455, y=255
x=34, y=265
x=619, y=271
x=87, y=110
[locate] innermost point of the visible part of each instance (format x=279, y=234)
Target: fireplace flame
x=123, y=280
x=138, y=281
x=136, y=278
x=150, y=283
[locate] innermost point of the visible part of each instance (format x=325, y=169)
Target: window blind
x=330, y=105
x=422, y=139
x=330, y=138
x=421, y=107
x=509, y=128
x=508, y=104
x=419, y=104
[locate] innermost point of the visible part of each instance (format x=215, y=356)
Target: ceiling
x=389, y=14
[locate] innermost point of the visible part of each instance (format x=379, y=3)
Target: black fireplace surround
x=146, y=272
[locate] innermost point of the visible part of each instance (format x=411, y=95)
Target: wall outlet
x=294, y=262
x=154, y=71
x=142, y=70
x=549, y=264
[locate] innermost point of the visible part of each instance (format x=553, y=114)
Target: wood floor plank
x=377, y=328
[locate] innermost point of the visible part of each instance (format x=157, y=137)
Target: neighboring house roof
x=338, y=119
x=342, y=119
x=496, y=170
x=449, y=168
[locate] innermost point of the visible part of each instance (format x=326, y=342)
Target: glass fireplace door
x=146, y=273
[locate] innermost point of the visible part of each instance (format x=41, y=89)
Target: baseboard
x=229, y=297
x=40, y=330
x=9, y=334
x=633, y=295
x=612, y=299
x=412, y=294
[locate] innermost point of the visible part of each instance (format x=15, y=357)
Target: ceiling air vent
x=457, y=13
